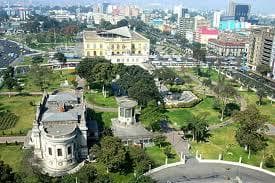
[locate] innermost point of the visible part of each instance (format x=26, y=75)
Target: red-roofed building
x=203, y=34
x=228, y=44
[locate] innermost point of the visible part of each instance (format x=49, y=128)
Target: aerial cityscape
x=106, y=91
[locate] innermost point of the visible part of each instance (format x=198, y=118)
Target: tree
x=251, y=132
x=263, y=69
x=152, y=116
x=160, y=140
x=261, y=93
x=111, y=153
x=225, y=94
x=60, y=57
x=9, y=79
x=165, y=74
x=139, y=160
x=269, y=161
x=198, y=125
x=37, y=59
x=122, y=23
x=6, y=173
x=40, y=76
x=87, y=173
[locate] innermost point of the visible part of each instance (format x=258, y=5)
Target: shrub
x=269, y=161
x=7, y=120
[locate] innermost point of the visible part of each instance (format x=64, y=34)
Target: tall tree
x=60, y=57
x=225, y=94
x=139, y=160
x=261, y=93
x=252, y=128
x=9, y=79
x=41, y=76
x=111, y=153
x=37, y=59
x=152, y=116
x=263, y=69
x=6, y=173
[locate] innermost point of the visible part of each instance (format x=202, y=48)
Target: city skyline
x=257, y=6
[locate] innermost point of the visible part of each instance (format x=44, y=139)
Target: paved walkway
x=12, y=139
x=17, y=93
x=179, y=144
x=101, y=109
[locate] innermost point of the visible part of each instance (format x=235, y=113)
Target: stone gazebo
x=127, y=128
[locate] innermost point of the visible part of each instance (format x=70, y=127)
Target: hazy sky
x=258, y=6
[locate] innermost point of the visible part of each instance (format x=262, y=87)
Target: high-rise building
x=105, y=7
x=242, y=12
x=261, y=47
x=216, y=19
x=186, y=25
x=231, y=8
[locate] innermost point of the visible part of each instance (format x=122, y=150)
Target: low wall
x=214, y=162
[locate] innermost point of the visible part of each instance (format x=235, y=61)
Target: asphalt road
x=194, y=172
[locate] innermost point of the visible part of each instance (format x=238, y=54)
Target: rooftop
x=129, y=131
x=126, y=102
x=121, y=32
x=60, y=129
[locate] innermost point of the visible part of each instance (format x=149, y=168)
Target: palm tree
x=198, y=125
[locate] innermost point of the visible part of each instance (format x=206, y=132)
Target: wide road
x=194, y=172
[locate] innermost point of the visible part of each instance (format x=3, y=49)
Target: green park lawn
x=20, y=105
x=99, y=100
x=223, y=141
x=266, y=108
x=12, y=155
x=157, y=155
x=104, y=118
x=180, y=116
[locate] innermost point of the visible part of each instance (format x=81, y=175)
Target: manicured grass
x=12, y=155
x=57, y=77
x=223, y=142
x=99, y=100
x=104, y=118
x=179, y=117
x=20, y=105
x=157, y=155
x=266, y=108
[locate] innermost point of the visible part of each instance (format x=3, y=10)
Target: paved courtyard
x=195, y=172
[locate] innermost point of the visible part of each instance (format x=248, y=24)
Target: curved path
x=206, y=172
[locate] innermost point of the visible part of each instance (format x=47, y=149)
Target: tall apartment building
x=186, y=25
x=261, y=48
x=216, y=19
x=241, y=12
x=118, y=45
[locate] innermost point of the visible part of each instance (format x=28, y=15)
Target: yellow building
x=118, y=45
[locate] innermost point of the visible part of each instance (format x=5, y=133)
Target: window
x=101, y=46
x=59, y=152
x=50, y=151
x=94, y=53
x=128, y=113
x=69, y=150
x=121, y=112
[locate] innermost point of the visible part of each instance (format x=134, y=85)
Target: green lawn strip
x=104, y=118
x=180, y=116
x=266, y=108
x=157, y=155
x=20, y=105
x=223, y=142
x=99, y=100
x=12, y=155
